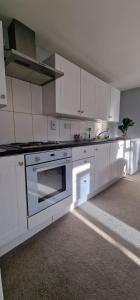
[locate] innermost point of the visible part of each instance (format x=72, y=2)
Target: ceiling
x=102, y=36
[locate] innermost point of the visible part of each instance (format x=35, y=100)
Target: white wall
x=130, y=107
x=22, y=120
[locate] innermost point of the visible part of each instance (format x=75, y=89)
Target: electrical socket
x=53, y=124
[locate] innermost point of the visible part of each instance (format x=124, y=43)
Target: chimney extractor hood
x=22, y=67
x=18, y=61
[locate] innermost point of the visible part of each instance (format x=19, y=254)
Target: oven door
x=47, y=184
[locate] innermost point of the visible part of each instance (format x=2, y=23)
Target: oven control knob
x=37, y=158
x=65, y=154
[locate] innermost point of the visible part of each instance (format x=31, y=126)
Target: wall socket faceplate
x=53, y=124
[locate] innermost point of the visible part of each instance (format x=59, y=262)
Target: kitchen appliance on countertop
x=48, y=178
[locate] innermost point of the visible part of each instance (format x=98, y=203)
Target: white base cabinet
x=82, y=180
x=118, y=164
x=102, y=166
x=94, y=168
x=107, y=164
x=110, y=163
x=13, y=221
x=134, y=159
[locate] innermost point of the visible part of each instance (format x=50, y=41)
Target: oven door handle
x=65, y=162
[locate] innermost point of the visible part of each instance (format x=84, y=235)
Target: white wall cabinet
x=79, y=94
x=13, y=221
x=3, y=97
x=102, y=99
x=114, y=105
x=63, y=95
x=88, y=95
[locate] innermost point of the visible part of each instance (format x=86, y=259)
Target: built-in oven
x=49, y=178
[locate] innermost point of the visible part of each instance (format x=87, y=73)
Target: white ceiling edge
x=100, y=36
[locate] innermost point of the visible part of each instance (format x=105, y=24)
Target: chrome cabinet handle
x=79, y=111
x=20, y=163
x=82, y=111
x=2, y=96
x=85, y=151
x=85, y=180
x=96, y=149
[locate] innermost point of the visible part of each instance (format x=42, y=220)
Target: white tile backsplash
x=39, y=128
x=75, y=127
x=36, y=96
x=83, y=129
x=65, y=129
x=6, y=127
x=27, y=122
x=21, y=96
x=23, y=127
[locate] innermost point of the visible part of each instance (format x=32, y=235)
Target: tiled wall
x=22, y=120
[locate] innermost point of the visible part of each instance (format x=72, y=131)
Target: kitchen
x=60, y=146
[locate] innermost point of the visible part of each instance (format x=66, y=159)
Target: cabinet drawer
x=82, y=152
x=85, y=162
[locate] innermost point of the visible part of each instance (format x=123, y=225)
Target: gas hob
x=26, y=146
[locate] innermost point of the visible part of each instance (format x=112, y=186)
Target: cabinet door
x=88, y=95
x=102, y=170
x=13, y=220
x=102, y=99
x=118, y=163
x=67, y=88
x=82, y=180
x=134, y=156
x=114, y=111
x=3, y=98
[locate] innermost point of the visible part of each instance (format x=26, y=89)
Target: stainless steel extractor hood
x=18, y=61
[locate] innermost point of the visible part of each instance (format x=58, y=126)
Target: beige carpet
x=71, y=260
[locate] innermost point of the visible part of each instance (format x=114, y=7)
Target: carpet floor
x=78, y=257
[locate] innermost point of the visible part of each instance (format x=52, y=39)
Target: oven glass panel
x=51, y=182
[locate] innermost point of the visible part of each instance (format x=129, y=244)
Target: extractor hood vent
x=18, y=61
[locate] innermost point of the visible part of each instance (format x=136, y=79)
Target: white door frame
x=1, y=291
